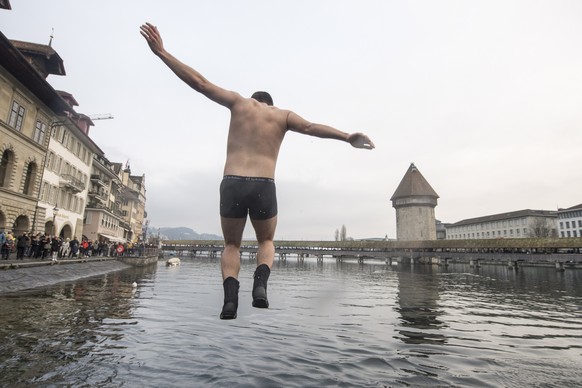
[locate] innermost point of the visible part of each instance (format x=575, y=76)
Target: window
x=63, y=136
x=45, y=192
x=39, y=132
x=58, y=165
x=16, y=116
x=29, y=179
x=6, y=167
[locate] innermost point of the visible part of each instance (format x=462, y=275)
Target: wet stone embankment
x=24, y=275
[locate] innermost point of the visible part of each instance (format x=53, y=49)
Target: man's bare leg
x=232, y=229
x=265, y=232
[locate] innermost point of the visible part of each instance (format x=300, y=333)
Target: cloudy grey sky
x=484, y=97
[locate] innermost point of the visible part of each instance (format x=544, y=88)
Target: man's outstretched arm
x=298, y=124
x=187, y=74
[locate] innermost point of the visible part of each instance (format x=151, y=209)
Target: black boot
x=260, y=286
x=230, y=306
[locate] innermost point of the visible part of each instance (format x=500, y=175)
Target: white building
x=570, y=221
x=66, y=176
x=519, y=224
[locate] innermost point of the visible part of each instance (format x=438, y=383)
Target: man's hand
x=359, y=140
x=153, y=37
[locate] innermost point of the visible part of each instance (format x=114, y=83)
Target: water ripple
x=336, y=325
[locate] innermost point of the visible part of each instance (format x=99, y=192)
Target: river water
x=330, y=324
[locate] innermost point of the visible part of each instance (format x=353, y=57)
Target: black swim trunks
x=241, y=195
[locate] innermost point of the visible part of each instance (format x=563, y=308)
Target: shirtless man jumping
x=256, y=132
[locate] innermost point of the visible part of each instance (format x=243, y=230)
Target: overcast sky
x=485, y=97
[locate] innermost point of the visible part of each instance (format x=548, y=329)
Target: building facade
x=65, y=182
x=133, y=203
x=28, y=106
x=518, y=224
x=69, y=156
x=103, y=216
x=570, y=222
x=415, y=201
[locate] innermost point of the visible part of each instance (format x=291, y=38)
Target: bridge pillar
x=320, y=258
x=559, y=266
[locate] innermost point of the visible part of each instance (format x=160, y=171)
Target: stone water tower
x=414, y=201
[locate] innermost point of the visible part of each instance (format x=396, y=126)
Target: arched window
x=6, y=167
x=29, y=179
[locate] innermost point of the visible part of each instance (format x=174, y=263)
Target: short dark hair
x=263, y=97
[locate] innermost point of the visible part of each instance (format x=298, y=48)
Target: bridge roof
x=413, y=184
x=395, y=244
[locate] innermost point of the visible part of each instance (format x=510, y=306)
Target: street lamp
x=55, y=212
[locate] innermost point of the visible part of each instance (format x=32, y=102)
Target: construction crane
x=104, y=116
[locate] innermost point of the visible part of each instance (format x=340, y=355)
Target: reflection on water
x=330, y=324
x=418, y=297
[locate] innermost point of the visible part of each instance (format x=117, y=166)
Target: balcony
x=71, y=183
x=98, y=196
x=99, y=180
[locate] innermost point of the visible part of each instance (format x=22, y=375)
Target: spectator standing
x=9, y=244
x=35, y=246
x=74, y=245
x=55, y=245
x=46, y=246
x=3, y=246
x=22, y=245
x=65, y=248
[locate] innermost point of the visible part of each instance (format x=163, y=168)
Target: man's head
x=263, y=97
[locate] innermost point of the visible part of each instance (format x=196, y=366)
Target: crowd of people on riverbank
x=44, y=247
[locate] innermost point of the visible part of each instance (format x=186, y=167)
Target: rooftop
x=413, y=184
x=506, y=216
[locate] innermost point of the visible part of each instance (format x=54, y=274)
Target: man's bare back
x=254, y=138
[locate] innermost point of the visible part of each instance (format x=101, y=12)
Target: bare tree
x=343, y=233
x=541, y=229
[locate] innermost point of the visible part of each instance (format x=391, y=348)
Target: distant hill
x=183, y=233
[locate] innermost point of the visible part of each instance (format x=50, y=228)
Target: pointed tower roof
x=413, y=184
